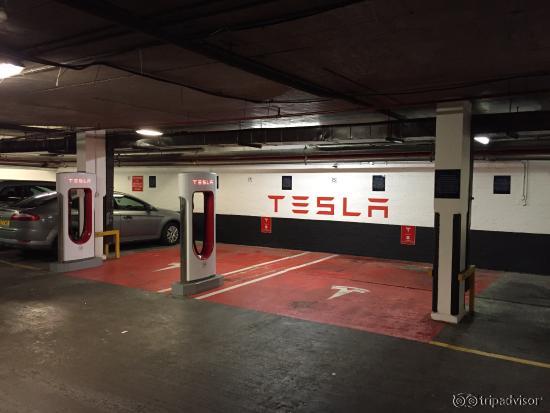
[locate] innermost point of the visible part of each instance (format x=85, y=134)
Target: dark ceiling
x=250, y=80
x=234, y=64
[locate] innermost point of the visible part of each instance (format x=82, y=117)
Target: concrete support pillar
x=452, y=199
x=108, y=204
x=90, y=157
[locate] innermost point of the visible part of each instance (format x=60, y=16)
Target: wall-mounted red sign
x=266, y=225
x=137, y=183
x=408, y=235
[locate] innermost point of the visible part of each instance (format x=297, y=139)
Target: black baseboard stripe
x=504, y=251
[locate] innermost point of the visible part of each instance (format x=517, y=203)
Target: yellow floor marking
x=25, y=267
x=492, y=355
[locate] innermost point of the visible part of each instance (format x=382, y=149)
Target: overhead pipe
x=65, y=144
x=312, y=158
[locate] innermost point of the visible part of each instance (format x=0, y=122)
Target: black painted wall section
x=352, y=238
x=505, y=251
x=511, y=251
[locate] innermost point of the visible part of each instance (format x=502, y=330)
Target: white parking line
x=165, y=290
x=265, y=277
x=266, y=263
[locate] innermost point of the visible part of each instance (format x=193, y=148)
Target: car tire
x=170, y=233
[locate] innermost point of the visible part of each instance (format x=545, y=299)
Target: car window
x=38, y=189
x=37, y=200
x=12, y=192
x=129, y=204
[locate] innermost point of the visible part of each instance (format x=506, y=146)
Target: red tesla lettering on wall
x=276, y=199
x=326, y=205
x=300, y=204
x=383, y=208
x=321, y=203
x=346, y=212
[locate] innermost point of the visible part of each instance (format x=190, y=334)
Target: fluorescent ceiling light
x=482, y=139
x=149, y=132
x=9, y=70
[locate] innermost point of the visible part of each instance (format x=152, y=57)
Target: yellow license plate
x=4, y=223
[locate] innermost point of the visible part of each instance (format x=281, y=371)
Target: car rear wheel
x=170, y=233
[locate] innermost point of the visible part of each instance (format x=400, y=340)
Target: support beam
x=108, y=201
x=90, y=157
x=453, y=169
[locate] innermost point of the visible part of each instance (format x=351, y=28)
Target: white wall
x=508, y=212
x=409, y=190
x=9, y=172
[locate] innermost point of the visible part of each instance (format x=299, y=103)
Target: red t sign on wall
x=408, y=235
x=137, y=183
x=266, y=225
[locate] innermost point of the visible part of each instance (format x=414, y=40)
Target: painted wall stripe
x=265, y=277
x=491, y=355
x=456, y=259
x=435, y=270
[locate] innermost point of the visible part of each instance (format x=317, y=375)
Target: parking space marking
x=266, y=263
x=265, y=277
x=491, y=355
x=25, y=267
x=165, y=290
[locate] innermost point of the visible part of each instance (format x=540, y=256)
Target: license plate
x=4, y=223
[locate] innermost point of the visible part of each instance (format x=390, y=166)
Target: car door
x=137, y=219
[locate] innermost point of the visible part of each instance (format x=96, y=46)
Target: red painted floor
x=387, y=297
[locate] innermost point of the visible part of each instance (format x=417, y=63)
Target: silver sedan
x=32, y=223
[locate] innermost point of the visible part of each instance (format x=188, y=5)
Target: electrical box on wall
x=378, y=183
x=447, y=183
x=502, y=184
x=286, y=183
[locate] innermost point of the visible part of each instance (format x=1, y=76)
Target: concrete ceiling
x=233, y=64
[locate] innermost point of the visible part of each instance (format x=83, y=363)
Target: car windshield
x=37, y=200
x=43, y=188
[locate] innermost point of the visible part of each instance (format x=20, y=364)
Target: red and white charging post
x=198, y=262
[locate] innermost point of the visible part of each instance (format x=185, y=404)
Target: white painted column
x=90, y=157
x=451, y=204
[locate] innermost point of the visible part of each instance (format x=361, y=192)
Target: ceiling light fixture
x=10, y=69
x=149, y=132
x=484, y=140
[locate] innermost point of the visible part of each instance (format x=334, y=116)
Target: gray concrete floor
x=69, y=345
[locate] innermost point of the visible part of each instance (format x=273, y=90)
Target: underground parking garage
x=241, y=206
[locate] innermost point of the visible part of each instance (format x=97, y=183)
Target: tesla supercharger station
x=198, y=259
x=76, y=238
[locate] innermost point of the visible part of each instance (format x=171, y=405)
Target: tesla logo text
x=203, y=182
x=79, y=180
x=326, y=205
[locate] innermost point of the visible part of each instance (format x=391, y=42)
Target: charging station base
x=186, y=289
x=76, y=265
